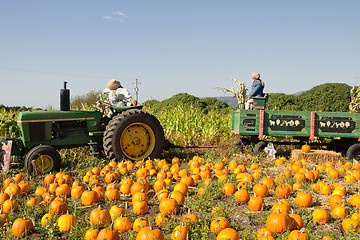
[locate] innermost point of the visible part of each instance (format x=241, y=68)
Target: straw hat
x=255, y=76
x=113, y=84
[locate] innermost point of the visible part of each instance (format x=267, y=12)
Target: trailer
x=338, y=131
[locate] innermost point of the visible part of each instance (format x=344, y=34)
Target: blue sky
x=173, y=47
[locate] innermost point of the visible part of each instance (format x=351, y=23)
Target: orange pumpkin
x=320, y=216
x=277, y=222
x=228, y=234
x=305, y=148
x=219, y=224
x=21, y=227
x=122, y=224
x=100, y=217
x=303, y=199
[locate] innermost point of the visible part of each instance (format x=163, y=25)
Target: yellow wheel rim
x=44, y=163
x=137, y=141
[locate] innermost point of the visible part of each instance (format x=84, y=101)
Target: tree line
x=328, y=97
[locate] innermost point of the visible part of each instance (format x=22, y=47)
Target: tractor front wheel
x=133, y=134
x=42, y=159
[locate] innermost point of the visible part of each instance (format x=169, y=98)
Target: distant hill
x=233, y=101
x=229, y=100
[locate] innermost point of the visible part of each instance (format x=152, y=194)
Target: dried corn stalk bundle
x=355, y=99
x=239, y=92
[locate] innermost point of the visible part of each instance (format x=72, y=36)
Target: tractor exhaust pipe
x=65, y=98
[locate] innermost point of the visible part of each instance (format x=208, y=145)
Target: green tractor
x=130, y=133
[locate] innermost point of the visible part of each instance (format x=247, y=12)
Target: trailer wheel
x=241, y=143
x=259, y=148
x=134, y=135
x=42, y=159
x=353, y=152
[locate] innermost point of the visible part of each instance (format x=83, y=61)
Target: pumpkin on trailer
x=22, y=227
x=305, y=148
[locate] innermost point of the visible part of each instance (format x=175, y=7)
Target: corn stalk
x=355, y=99
x=239, y=92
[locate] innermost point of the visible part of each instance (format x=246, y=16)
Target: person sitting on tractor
x=257, y=90
x=118, y=95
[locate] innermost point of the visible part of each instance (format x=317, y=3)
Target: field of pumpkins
x=229, y=198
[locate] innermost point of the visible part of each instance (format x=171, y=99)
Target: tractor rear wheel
x=42, y=159
x=133, y=134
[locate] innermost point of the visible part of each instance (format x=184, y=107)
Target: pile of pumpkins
x=170, y=189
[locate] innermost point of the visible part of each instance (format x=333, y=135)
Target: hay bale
x=317, y=156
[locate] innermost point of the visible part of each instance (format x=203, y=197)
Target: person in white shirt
x=118, y=95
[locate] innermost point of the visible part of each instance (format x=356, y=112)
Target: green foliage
x=189, y=125
x=328, y=97
x=281, y=101
x=8, y=125
x=184, y=99
x=88, y=99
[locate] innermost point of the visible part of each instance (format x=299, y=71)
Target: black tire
x=135, y=135
x=259, y=148
x=353, y=152
x=241, y=143
x=42, y=159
